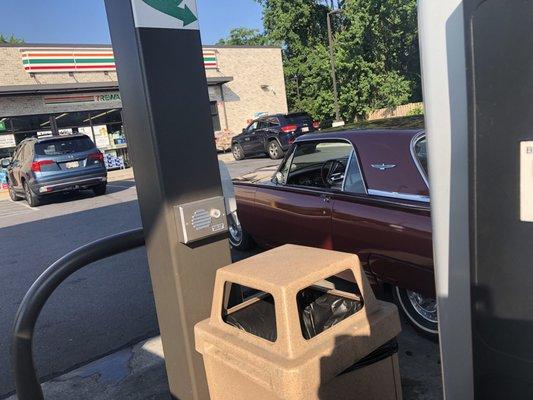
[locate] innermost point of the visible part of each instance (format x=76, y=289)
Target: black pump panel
x=499, y=58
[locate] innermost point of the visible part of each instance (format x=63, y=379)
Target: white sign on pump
x=169, y=14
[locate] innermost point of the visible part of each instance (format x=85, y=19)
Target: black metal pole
x=23, y=366
x=167, y=115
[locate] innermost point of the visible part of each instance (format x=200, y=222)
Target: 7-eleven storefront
x=59, y=90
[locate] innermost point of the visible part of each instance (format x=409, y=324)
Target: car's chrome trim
x=78, y=182
x=416, y=138
x=401, y=196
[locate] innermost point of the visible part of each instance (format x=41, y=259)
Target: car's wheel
x=275, y=151
x=32, y=199
x=100, y=190
x=13, y=194
x=238, y=237
x=238, y=152
x=421, y=311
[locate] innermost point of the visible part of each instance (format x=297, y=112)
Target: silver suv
x=56, y=164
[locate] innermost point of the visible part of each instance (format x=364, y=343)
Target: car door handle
x=326, y=198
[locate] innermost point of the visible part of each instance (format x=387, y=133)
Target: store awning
x=218, y=80
x=26, y=90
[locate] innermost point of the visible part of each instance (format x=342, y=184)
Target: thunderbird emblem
x=383, y=167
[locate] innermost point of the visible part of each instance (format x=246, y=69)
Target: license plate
x=72, y=164
x=305, y=129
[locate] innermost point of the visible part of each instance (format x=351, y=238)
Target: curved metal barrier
x=23, y=367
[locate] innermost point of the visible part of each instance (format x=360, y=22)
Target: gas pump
x=478, y=89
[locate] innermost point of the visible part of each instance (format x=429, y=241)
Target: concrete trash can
x=299, y=323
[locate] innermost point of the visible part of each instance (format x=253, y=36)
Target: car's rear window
x=298, y=119
x=59, y=147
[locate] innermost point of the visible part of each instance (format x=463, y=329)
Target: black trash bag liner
x=323, y=311
x=318, y=312
x=258, y=319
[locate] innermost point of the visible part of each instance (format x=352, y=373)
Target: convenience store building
x=63, y=89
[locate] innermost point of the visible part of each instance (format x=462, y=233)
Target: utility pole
x=170, y=133
x=338, y=120
x=296, y=79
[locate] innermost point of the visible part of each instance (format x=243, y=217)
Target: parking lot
x=109, y=305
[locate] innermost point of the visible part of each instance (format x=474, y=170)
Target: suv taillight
x=97, y=156
x=36, y=165
x=289, y=128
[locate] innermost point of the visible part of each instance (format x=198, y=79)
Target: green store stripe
x=69, y=61
x=211, y=59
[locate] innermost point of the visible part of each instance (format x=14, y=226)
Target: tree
x=245, y=36
x=11, y=40
x=376, y=47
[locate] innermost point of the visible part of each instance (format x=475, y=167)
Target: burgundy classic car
x=364, y=192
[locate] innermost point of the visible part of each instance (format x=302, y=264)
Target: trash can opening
x=328, y=302
x=250, y=310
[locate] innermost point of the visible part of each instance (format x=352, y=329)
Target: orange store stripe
x=68, y=54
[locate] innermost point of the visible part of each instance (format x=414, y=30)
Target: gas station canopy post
x=167, y=120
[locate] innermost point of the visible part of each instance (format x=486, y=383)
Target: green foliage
x=11, y=40
x=246, y=37
x=416, y=111
x=376, y=50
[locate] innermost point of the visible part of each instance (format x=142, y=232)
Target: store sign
x=168, y=14
x=83, y=60
x=7, y=141
x=210, y=59
x=86, y=98
x=2, y=126
x=68, y=60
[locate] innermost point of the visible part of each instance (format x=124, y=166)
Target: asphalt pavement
x=109, y=305
x=106, y=306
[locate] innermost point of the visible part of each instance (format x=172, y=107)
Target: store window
x=30, y=125
x=214, y=116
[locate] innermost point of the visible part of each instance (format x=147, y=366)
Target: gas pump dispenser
x=478, y=91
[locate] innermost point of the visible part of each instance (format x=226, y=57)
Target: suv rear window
x=298, y=119
x=59, y=147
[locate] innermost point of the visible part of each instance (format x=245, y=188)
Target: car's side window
x=421, y=154
x=252, y=127
x=353, y=181
x=281, y=176
x=319, y=164
x=273, y=122
x=263, y=124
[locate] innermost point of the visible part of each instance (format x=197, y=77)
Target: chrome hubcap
x=273, y=150
x=426, y=307
x=234, y=231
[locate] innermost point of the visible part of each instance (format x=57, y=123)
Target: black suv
x=56, y=164
x=271, y=134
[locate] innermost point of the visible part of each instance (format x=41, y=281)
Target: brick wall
x=251, y=68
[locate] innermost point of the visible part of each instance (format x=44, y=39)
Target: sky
x=84, y=21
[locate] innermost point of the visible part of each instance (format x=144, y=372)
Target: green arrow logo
x=171, y=7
